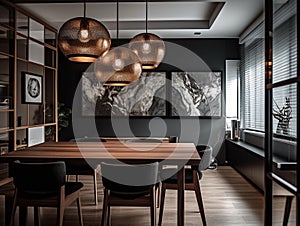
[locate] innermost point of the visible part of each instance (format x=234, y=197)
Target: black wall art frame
x=32, y=88
x=196, y=94
x=144, y=98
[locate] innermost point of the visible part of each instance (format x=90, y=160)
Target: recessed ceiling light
x=197, y=33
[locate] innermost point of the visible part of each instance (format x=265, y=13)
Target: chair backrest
x=39, y=178
x=129, y=178
x=205, y=151
x=88, y=139
x=143, y=140
x=173, y=139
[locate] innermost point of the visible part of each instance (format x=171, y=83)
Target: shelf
x=32, y=126
x=21, y=146
x=6, y=110
x=5, y=130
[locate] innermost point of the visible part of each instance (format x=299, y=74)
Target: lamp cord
x=84, y=9
x=146, y=16
x=118, y=23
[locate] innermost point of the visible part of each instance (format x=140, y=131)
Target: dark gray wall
x=213, y=52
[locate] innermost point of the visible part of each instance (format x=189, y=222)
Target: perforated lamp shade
x=119, y=67
x=83, y=39
x=150, y=49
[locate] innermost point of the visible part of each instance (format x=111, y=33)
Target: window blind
x=252, y=81
x=284, y=67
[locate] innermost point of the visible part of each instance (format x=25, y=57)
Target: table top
x=127, y=152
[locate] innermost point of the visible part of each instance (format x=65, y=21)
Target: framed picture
x=196, y=94
x=145, y=97
x=32, y=86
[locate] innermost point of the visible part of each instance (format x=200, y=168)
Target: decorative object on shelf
x=149, y=47
x=120, y=66
x=196, y=94
x=32, y=86
x=235, y=127
x=146, y=97
x=283, y=115
x=83, y=39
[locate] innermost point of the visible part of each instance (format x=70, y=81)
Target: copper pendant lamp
x=149, y=47
x=120, y=66
x=83, y=39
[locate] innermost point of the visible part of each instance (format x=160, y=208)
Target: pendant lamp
x=120, y=66
x=149, y=47
x=83, y=39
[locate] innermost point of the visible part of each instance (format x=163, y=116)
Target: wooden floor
x=229, y=200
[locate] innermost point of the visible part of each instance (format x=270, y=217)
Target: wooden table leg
x=180, y=197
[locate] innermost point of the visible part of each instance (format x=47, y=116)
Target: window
x=232, y=91
x=252, y=81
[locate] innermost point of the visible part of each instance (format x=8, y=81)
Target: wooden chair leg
x=162, y=203
x=158, y=187
x=153, y=206
x=287, y=210
x=104, y=209
x=60, y=207
x=14, y=208
x=60, y=216
x=95, y=187
x=108, y=216
x=199, y=197
x=37, y=216
x=79, y=211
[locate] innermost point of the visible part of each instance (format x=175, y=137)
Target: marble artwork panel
x=145, y=97
x=196, y=94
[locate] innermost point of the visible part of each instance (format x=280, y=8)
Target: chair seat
x=70, y=187
x=173, y=179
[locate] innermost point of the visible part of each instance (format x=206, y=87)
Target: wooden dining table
x=77, y=153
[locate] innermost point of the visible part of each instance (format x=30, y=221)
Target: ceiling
x=168, y=19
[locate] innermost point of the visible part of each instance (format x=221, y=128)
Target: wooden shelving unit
x=27, y=45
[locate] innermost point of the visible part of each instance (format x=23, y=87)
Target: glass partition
x=22, y=23
x=50, y=57
x=36, y=52
x=4, y=143
x=21, y=139
x=36, y=30
x=5, y=123
x=6, y=82
x=21, y=47
x=50, y=37
x=7, y=15
x=6, y=41
x=22, y=109
x=49, y=96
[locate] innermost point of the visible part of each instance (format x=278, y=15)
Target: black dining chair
x=192, y=177
x=129, y=185
x=44, y=185
x=87, y=169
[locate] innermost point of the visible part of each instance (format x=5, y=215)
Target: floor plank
x=229, y=200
